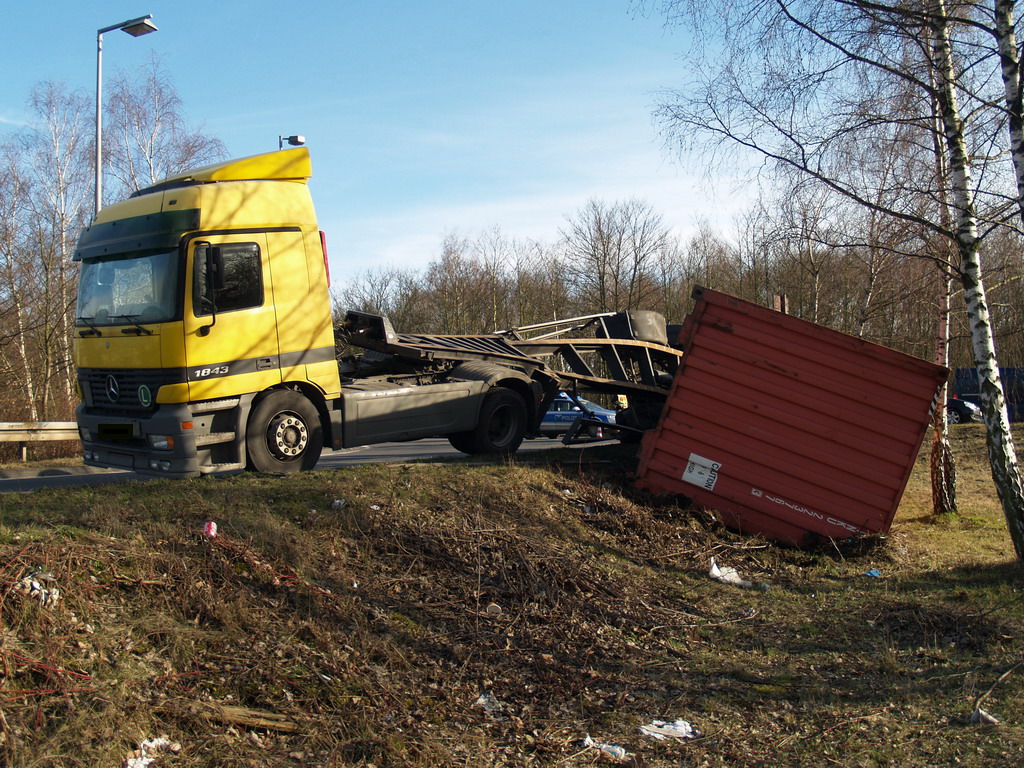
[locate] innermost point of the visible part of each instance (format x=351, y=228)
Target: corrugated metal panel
x=787, y=428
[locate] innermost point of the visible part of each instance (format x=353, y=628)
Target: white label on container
x=702, y=472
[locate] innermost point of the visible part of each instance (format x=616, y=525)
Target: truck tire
x=284, y=434
x=501, y=427
x=462, y=441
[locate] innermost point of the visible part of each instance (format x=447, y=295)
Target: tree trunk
x=943, y=463
x=1001, y=453
x=1009, y=66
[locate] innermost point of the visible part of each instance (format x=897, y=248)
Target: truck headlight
x=161, y=442
x=85, y=434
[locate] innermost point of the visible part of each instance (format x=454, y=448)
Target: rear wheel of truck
x=642, y=415
x=501, y=427
x=284, y=434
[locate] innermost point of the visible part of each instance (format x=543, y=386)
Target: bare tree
x=538, y=286
x=17, y=275
x=55, y=167
x=609, y=252
x=391, y=291
x=799, y=84
x=46, y=179
x=148, y=136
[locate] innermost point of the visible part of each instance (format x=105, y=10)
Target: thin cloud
x=412, y=239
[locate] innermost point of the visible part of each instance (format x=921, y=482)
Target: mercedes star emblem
x=113, y=390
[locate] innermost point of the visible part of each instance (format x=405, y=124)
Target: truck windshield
x=135, y=289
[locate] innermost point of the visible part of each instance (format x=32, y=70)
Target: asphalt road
x=62, y=477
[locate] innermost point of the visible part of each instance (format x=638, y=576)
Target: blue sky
x=423, y=118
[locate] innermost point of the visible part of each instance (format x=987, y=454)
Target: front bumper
x=123, y=442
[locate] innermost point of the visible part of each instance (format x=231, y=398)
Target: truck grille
x=116, y=391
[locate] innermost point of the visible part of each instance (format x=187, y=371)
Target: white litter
x=661, y=730
x=981, y=716
x=210, y=530
x=338, y=504
x=33, y=586
x=728, y=575
x=488, y=703
x=149, y=752
x=613, y=750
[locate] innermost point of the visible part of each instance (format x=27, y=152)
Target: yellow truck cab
x=204, y=339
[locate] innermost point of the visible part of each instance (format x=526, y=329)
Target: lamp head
x=140, y=27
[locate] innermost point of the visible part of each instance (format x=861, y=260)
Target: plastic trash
x=874, y=573
x=33, y=586
x=338, y=504
x=678, y=729
x=981, y=716
x=488, y=703
x=210, y=530
x=728, y=575
x=149, y=751
x=614, y=750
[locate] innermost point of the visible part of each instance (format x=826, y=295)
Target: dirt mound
x=434, y=615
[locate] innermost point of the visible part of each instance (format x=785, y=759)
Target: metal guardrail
x=25, y=432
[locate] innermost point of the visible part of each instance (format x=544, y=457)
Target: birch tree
x=147, y=136
x=55, y=158
x=46, y=185
x=15, y=305
x=800, y=83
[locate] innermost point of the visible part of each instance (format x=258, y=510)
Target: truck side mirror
x=213, y=281
x=215, y=268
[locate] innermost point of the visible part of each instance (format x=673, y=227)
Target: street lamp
x=135, y=28
x=293, y=141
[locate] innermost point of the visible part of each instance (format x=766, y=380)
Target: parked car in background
x=961, y=411
x=966, y=385
x=563, y=412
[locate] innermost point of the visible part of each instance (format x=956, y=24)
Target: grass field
x=497, y=615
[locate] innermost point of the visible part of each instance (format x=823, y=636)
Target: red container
x=787, y=428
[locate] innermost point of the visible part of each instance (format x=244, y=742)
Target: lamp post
x=293, y=141
x=135, y=28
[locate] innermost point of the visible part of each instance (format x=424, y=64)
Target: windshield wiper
x=93, y=330
x=138, y=330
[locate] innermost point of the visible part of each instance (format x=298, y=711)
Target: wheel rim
x=287, y=436
x=502, y=426
x=954, y=417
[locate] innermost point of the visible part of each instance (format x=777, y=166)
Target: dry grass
x=315, y=633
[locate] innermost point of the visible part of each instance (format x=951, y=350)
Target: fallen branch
x=252, y=718
x=981, y=699
x=39, y=666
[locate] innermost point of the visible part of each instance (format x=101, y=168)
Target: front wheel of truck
x=284, y=434
x=501, y=427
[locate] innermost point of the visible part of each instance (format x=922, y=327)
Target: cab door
x=231, y=340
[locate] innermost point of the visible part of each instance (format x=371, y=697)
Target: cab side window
x=243, y=280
